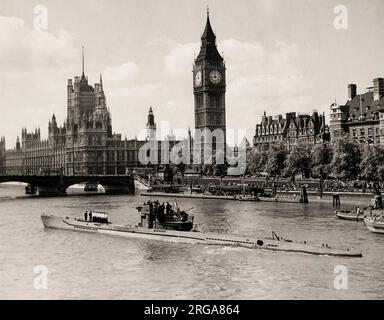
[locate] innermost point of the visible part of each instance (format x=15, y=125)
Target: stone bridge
x=56, y=185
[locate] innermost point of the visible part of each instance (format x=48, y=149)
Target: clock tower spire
x=209, y=85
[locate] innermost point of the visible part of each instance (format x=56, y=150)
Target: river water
x=90, y=266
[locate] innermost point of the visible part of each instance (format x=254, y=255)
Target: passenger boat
x=91, y=187
x=349, y=215
x=177, y=226
x=375, y=224
x=29, y=189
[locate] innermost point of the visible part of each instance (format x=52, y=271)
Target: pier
x=221, y=197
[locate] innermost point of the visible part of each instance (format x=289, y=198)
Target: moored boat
x=349, y=215
x=375, y=224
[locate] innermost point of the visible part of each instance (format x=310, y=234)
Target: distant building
x=2, y=155
x=83, y=145
x=306, y=128
x=14, y=160
x=362, y=116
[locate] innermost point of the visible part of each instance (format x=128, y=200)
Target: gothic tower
x=209, y=95
x=151, y=125
x=87, y=128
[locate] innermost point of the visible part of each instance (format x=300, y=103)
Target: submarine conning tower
x=146, y=217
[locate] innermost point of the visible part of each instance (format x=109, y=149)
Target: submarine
x=169, y=223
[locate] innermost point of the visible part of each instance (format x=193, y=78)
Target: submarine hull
x=67, y=223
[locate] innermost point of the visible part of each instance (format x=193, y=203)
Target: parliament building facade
x=85, y=143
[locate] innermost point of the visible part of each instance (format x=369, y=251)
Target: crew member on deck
x=168, y=208
x=85, y=215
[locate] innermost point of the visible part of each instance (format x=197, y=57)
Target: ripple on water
x=83, y=265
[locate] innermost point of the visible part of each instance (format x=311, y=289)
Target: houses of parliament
x=85, y=143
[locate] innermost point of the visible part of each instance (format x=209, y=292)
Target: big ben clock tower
x=209, y=93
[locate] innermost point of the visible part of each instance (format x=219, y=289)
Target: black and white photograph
x=191, y=151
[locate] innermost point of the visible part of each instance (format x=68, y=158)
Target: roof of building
x=84, y=86
x=208, y=49
x=364, y=103
x=301, y=121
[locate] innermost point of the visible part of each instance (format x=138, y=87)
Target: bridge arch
x=58, y=184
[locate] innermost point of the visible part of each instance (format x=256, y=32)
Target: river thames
x=90, y=266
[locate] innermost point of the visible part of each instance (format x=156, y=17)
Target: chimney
x=264, y=118
x=378, y=88
x=352, y=91
x=269, y=120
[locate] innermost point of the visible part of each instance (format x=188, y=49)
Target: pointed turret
x=83, y=80
x=82, y=62
x=208, y=49
x=151, y=125
x=208, y=35
x=151, y=118
x=18, y=143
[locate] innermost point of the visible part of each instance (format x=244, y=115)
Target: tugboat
x=177, y=226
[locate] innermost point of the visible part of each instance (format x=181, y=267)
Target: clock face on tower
x=215, y=76
x=198, y=78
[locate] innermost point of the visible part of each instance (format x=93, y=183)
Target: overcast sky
x=280, y=55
